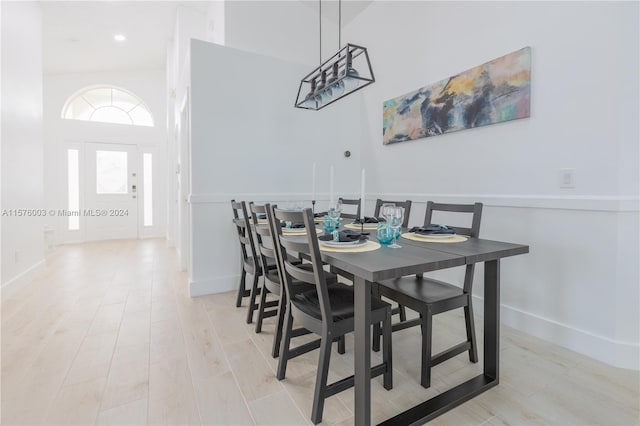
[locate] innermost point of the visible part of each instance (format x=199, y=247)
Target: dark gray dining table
x=416, y=257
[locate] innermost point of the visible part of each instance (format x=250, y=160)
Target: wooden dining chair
x=267, y=257
x=327, y=311
x=352, y=202
x=249, y=263
x=429, y=297
x=407, y=209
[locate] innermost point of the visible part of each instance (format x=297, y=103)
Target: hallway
x=109, y=335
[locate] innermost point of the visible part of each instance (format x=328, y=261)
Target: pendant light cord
x=320, y=15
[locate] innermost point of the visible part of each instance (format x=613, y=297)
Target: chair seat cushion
x=341, y=301
x=424, y=290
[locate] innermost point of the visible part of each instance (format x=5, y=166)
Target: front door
x=111, y=191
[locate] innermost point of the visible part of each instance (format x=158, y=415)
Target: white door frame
x=116, y=213
x=184, y=215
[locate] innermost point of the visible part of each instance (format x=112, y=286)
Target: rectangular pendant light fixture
x=347, y=71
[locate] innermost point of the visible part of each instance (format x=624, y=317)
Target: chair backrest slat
x=474, y=231
x=407, y=209
x=247, y=246
x=263, y=232
x=350, y=202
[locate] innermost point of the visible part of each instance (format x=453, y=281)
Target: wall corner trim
x=22, y=279
x=213, y=285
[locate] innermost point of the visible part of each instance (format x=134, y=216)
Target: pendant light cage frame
x=346, y=72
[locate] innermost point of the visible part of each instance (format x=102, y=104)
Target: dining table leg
x=492, y=319
x=362, y=353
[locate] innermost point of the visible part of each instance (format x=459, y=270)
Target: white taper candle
x=331, y=200
x=362, y=179
x=313, y=182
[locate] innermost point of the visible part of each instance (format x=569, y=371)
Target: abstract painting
x=487, y=94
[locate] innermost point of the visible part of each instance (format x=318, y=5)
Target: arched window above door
x=107, y=104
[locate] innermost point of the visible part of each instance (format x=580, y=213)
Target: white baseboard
x=19, y=281
x=612, y=352
x=213, y=285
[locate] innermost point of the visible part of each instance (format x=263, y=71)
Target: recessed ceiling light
x=119, y=37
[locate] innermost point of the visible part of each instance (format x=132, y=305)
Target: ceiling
x=78, y=35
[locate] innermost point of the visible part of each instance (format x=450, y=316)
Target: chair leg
x=241, y=287
x=426, y=326
x=375, y=292
x=252, y=298
x=263, y=301
x=321, y=379
x=387, y=356
x=376, y=337
x=342, y=345
x=277, y=337
x=284, y=345
x=403, y=313
x=471, y=332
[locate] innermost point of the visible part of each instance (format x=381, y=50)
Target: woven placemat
x=428, y=239
x=368, y=246
x=367, y=226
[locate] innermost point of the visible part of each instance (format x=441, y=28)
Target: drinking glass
x=395, y=222
x=329, y=225
x=385, y=210
x=384, y=233
x=335, y=209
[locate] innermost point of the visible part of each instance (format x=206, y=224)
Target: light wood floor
x=108, y=335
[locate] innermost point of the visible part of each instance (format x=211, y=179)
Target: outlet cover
x=567, y=178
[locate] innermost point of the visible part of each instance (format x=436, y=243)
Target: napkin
x=345, y=236
x=432, y=229
x=293, y=225
x=368, y=219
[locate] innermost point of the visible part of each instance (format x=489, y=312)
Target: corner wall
x=579, y=285
x=22, y=146
x=248, y=142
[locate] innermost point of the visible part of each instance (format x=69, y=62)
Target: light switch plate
x=567, y=178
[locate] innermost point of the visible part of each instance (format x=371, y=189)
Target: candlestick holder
x=313, y=207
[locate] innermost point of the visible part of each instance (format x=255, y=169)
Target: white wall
x=248, y=142
x=287, y=30
x=579, y=285
x=61, y=135
x=190, y=23
x=22, y=146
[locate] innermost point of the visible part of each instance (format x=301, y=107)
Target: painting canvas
x=490, y=93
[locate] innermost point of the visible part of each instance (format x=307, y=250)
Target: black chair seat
x=425, y=290
x=340, y=299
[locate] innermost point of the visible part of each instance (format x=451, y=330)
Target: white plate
x=341, y=244
x=435, y=235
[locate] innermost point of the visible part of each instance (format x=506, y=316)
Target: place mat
x=368, y=246
x=260, y=221
x=286, y=231
x=428, y=239
x=367, y=226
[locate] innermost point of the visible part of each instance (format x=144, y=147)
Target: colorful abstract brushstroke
x=490, y=93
